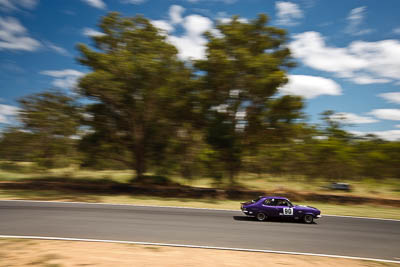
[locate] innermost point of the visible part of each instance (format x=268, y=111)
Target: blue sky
x=348, y=52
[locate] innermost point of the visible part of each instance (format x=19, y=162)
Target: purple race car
x=279, y=207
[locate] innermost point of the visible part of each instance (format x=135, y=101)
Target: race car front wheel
x=308, y=218
x=261, y=216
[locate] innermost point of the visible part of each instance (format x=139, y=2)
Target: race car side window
x=270, y=202
x=282, y=202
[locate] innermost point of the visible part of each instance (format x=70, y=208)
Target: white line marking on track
x=116, y=204
x=197, y=246
x=176, y=207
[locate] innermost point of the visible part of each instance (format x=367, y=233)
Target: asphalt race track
x=367, y=238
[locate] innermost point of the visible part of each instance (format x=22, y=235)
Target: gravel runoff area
x=27, y=252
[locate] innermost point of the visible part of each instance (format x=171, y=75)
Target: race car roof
x=276, y=197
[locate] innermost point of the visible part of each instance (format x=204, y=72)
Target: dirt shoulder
x=24, y=252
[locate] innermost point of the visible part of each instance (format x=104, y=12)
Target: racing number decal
x=287, y=211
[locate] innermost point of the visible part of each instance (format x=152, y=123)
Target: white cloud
x=7, y=111
x=9, y=5
x=224, y=1
x=96, y=3
x=355, y=19
x=356, y=15
x=91, y=32
x=365, y=79
x=196, y=25
x=57, y=49
x=311, y=48
x=352, y=118
x=391, y=97
x=135, y=2
x=390, y=135
x=65, y=79
x=363, y=32
x=386, y=114
x=68, y=82
x=61, y=73
x=225, y=20
x=175, y=14
x=361, y=62
x=383, y=57
x=14, y=36
x=288, y=13
x=192, y=43
x=310, y=86
x=163, y=25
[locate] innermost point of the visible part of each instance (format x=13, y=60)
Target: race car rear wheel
x=308, y=218
x=261, y=216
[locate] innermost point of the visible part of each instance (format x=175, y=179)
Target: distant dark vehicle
x=339, y=186
x=279, y=207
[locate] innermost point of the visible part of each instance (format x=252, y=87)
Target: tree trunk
x=233, y=168
x=234, y=165
x=140, y=161
x=139, y=152
x=231, y=177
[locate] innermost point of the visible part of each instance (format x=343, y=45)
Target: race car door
x=284, y=208
x=269, y=207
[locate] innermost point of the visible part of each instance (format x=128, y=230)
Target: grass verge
x=23, y=252
x=388, y=188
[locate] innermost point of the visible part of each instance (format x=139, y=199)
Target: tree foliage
x=138, y=85
x=245, y=65
x=49, y=123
